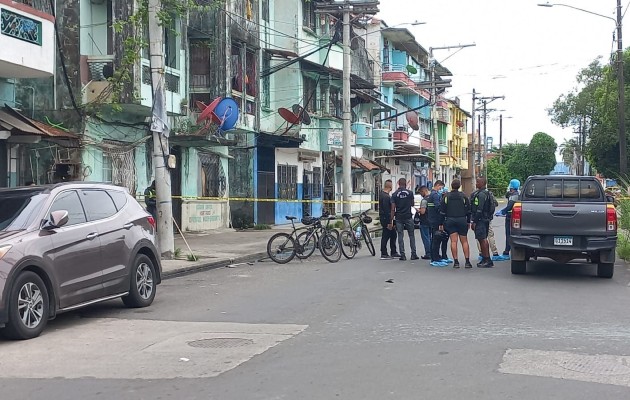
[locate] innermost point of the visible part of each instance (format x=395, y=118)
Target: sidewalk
x=223, y=247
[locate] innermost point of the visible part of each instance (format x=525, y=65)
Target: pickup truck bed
x=564, y=218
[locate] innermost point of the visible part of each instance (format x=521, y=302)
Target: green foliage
x=541, y=154
x=514, y=159
x=192, y=257
x=241, y=220
x=177, y=252
x=498, y=177
x=261, y=227
x=338, y=224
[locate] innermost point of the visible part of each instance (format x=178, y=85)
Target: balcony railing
x=100, y=67
x=40, y=5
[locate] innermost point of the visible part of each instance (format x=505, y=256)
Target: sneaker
x=506, y=253
x=446, y=261
x=456, y=264
x=426, y=257
x=414, y=257
x=487, y=264
x=479, y=259
x=386, y=257
x=468, y=265
x=395, y=255
x=438, y=264
x=403, y=258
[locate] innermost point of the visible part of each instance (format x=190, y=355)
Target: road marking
x=140, y=349
x=606, y=369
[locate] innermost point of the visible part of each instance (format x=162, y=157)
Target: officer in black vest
x=455, y=219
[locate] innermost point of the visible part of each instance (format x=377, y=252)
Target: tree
x=514, y=158
x=498, y=177
x=570, y=152
x=541, y=154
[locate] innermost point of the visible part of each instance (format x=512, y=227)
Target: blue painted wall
x=292, y=208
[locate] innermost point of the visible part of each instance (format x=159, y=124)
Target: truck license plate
x=563, y=240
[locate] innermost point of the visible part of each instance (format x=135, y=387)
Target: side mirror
x=610, y=199
x=57, y=219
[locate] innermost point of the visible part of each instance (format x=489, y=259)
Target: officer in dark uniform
x=402, y=203
x=433, y=205
x=455, y=219
x=481, y=221
x=150, y=199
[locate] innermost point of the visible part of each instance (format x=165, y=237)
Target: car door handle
x=128, y=225
x=91, y=236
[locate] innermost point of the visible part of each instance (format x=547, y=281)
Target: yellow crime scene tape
x=269, y=200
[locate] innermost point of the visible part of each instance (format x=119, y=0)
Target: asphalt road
x=316, y=330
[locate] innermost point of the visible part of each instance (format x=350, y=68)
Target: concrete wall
x=203, y=215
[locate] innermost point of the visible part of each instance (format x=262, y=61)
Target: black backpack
x=490, y=206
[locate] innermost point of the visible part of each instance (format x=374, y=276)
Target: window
x=310, y=94
x=213, y=182
x=265, y=10
x=237, y=68
x=309, y=17
x=358, y=182
x=317, y=182
x=554, y=189
x=287, y=182
x=266, y=81
x=69, y=201
x=590, y=190
x=571, y=189
x=250, y=75
x=108, y=168
x=335, y=102
x=200, y=64
x=120, y=198
x=19, y=209
x=171, y=43
x=97, y=204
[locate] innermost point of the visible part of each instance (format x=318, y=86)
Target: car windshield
x=19, y=208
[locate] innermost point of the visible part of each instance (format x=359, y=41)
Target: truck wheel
x=519, y=267
x=605, y=270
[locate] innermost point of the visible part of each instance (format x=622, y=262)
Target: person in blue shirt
x=512, y=197
x=437, y=236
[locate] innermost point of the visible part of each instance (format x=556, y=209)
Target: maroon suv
x=68, y=245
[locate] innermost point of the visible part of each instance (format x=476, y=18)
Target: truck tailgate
x=558, y=218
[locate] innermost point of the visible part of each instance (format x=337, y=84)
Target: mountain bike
x=351, y=238
x=283, y=247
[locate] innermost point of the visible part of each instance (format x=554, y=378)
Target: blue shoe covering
x=497, y=258
x=480, y=259
x=446, y=261
x=438, y=264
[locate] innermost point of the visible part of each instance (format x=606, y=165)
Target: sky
x=529, y=54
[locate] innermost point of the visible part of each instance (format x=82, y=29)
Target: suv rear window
x=562, y=189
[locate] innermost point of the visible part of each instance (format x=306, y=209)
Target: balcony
x=27, y=39
x=397, y=74
x=401, y=136
x=363, y=133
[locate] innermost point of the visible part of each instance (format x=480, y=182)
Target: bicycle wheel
x=335, y=233
x=330, y=247
x=281, y=248
x=307, y=245
x=348, y=244
x=368, y=240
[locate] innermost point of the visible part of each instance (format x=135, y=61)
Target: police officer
x=433, y=208
x=481, y=221
x=455, y=217
x=402, y=202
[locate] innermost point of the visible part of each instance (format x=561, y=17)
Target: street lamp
x=623, y=159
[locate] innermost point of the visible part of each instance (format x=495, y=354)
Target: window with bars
x=335, y=102
x=108, y=168
x=310, y=94
x=213, y=182
x=317, y=182
x=287, y=182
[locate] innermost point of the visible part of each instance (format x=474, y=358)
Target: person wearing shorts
x=481, y=221
x=455, y=212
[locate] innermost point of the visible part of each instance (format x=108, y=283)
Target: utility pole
x=472, y=157
x=347, y=116
x=485, y=101
x=160, y=134
x=500, y=138
x=621, y=113
x=434, y=87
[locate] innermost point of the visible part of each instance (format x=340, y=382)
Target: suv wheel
x=605, y=270
x=28, y=307
x=142, y=286
x=519, y=267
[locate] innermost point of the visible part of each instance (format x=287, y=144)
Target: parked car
x=69, y=245
x=564, y=218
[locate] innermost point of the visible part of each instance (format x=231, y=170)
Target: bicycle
x=351, y=238
x=283, y=247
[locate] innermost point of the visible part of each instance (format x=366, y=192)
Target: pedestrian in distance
x=150, y=199
x=455, y=219
x=425, y=227
x=433, y=209
x=482, y=210
x=512, y=197
x=385, y=215
x=402, y=202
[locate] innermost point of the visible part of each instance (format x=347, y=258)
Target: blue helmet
x=514, y=184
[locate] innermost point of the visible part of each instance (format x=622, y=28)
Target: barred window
x=317, y=182
x=287, y=182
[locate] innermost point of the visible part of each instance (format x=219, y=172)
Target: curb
x=191, y=269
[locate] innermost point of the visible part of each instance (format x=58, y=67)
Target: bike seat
x=331, y=218
x=290, y=218
x=346, y=215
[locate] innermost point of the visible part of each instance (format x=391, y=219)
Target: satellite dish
x=289, y=116
x=412, y=120
x=225, y=113
x=412, y=70
x=302, y=114
x=206, y=110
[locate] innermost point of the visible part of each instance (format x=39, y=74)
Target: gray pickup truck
x=564, y=218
